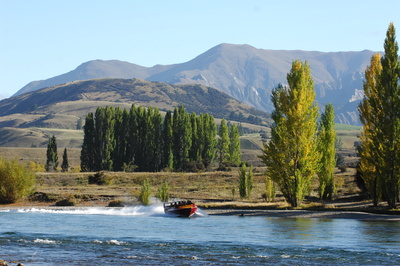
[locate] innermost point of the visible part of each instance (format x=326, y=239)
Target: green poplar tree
x=167, y=137
x=65, y=164
x=209, y=140
x=223, y=142
x=88, y=147
x=242, y=182
x=291, y=156
x=182, y=138
x=326, y=148
x=52, y=156
x=234, y=145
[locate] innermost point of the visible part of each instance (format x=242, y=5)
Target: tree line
x=140, y=139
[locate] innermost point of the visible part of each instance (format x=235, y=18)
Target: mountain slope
x=245, y=73
x=76, y=99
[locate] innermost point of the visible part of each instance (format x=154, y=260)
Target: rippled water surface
x=145, y=236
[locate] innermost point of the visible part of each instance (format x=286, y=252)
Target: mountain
x=246, y=73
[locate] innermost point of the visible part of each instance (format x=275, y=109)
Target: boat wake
x=152, y=210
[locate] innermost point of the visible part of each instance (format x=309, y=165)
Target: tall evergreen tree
x=223, y=142
x=182, y=138
x=326, y=148
x=234, y=145
x=52, y=156
x=65, y=163
x=291, y=156
x=88, y=146
x=209, y=139
x=382, y=129
x=167, y=156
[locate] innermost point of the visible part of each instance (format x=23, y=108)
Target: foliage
x=100, y=178
x=65, y=164
x=291, y=155
x=163, y=192
x=223, y=142
x=269, y=189
x=139, y=139
x=145, y=193
x=234, y=145
x=326, y=148
x=36, y=167
x=245, y=181
x=52, y=156
x=380, y=115
x=242, y=182
x=16, y=181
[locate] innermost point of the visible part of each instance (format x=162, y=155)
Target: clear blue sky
x=41, y=39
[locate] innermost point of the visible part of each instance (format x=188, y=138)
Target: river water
x=145, y=236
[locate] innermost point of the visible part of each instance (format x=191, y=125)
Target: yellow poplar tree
x=291, y=156
x=326, y=148
x=368, y=108
x=382, y=123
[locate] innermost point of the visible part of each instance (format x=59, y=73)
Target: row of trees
x=300, y=147
x=141, y=139
x=380, y=115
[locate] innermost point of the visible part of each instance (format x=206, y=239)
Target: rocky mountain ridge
x=246, y=73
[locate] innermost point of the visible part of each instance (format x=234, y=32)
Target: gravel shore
x=305, y=214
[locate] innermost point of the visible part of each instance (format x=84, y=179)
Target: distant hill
x=245, y=73
x=60, y=106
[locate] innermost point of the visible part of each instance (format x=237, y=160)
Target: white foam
x=44, y=241
x=151, y=210
x=116, y=242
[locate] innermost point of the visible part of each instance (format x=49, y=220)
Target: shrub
x=66, y=202
x=145, y=193
x=100, y=178
x=163, y=192
x=16, y=181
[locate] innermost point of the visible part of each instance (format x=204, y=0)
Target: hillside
x=30, y=119
x=245, y=73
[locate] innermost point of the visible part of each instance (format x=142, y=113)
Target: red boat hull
x=185, y=210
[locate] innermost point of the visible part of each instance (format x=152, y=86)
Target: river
x=145, y=236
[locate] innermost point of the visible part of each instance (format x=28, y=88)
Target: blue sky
x=41, y=39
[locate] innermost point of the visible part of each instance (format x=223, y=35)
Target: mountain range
x=245, y=73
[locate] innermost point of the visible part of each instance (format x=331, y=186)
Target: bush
x=66, y=202
x=16, y=181
x=145, y=193
x=100, y=178
x=163, y=192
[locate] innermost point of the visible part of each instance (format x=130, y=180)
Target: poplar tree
x=52, y=156
x=234, y=145
x=223, y=142
x=368, y=108
x=380, y=114
x=208, y=138
x=182, y=138
x=326, y=148
x=167, y=156
x=88, y=147
x=291, y=156
x=65, y=164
